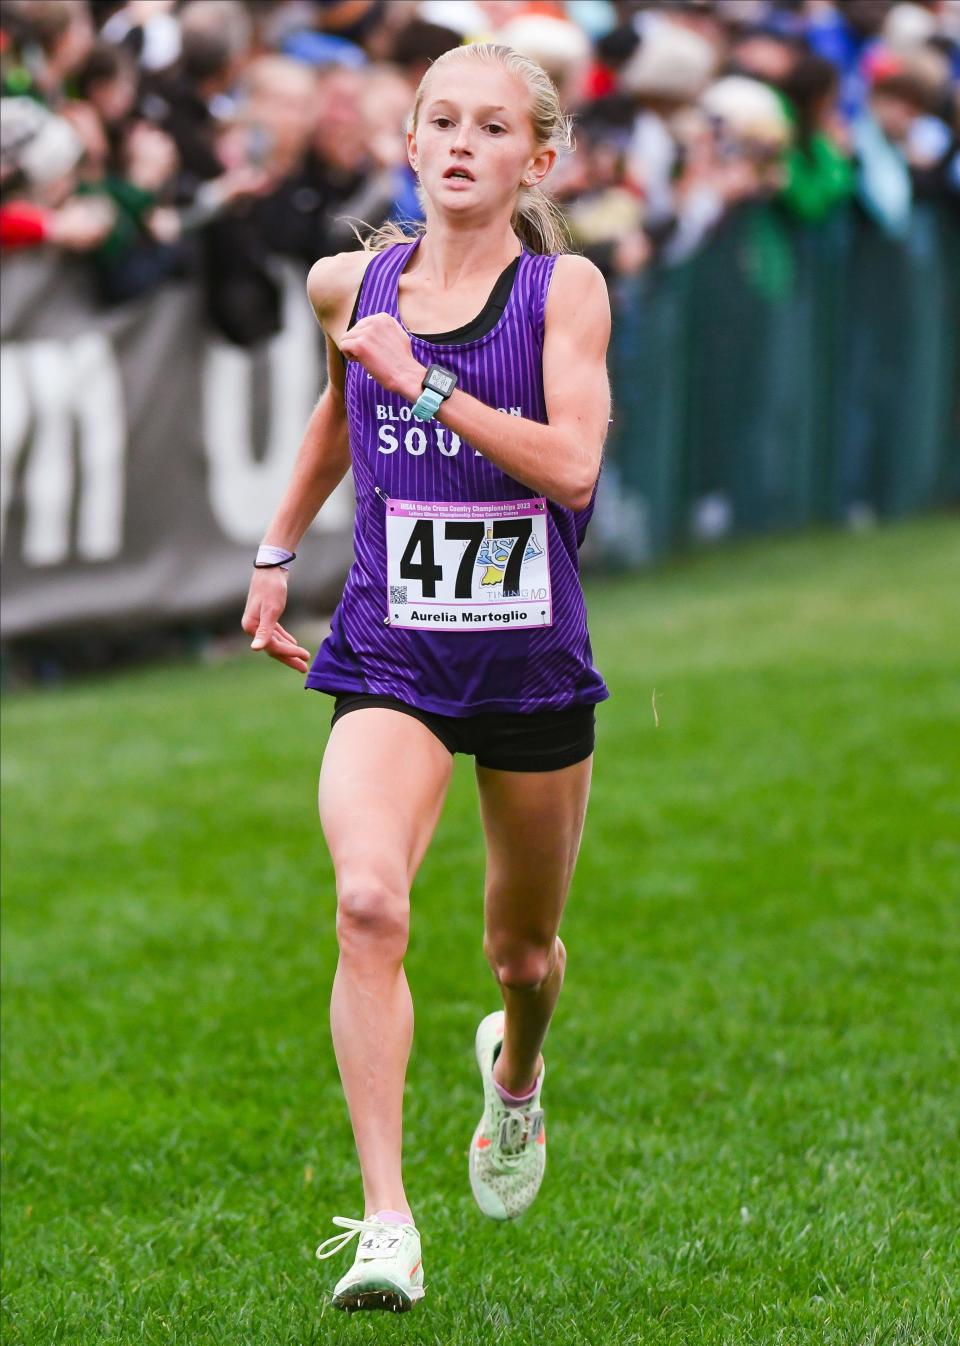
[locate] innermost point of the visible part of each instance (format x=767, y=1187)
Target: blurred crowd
x=212, y=138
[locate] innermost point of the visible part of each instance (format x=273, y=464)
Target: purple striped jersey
x=464, y=596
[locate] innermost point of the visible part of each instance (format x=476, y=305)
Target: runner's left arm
x=561, y=459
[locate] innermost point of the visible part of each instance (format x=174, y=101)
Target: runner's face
x=474, y=118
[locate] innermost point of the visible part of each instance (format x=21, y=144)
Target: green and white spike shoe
x=508, y=1153
x=388, y=1270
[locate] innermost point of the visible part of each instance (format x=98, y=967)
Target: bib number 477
x=418, y=561
x=468, y=565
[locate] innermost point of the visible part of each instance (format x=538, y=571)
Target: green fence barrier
x=789, y=374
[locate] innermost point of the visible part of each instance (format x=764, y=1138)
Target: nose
x=461, y=141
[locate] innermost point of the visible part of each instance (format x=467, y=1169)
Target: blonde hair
x=537, y=219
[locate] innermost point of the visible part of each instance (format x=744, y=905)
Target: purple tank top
x=464, y=596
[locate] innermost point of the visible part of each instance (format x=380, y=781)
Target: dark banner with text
x=142, y=457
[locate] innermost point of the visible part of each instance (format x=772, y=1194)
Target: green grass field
x=753, y=1088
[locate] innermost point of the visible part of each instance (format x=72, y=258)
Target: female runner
x=472, y=401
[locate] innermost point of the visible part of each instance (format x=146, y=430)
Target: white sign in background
x=129, y=457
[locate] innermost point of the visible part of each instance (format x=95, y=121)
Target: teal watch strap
x=427, y=405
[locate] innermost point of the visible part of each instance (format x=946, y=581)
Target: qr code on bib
x=398, y=593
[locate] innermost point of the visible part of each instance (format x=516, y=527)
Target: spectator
x=242, y=293
x=127, y=161
x=276, y=121
x=906, y=95
x=847, y=35
x=417, y=45
x=604, y=215
x=751, y=134
x=148, y=30
x=387, y=102
x=767, y=55
x=356, y=21
x=39, y=157
x=50, y=40
x=288, y=122
x=818, y=171
x=666, y=73
x=215, y=35
x=354, y=185
x=108, y=82
x=558, y=45
x=279, y=113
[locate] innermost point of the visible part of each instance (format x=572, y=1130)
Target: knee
x=523, y=964
x=373, y=918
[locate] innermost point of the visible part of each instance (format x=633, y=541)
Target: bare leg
x=533, y=822
x=382, y=786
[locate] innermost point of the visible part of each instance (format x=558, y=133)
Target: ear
x=539, y=166
x=412, y=153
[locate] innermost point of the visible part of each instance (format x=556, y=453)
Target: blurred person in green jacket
x=819, y=173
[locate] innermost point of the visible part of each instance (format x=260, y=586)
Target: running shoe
x=387, y=1272
x=508, y=1153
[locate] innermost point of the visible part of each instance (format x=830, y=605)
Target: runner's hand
x=261, y=619
x=380, y=344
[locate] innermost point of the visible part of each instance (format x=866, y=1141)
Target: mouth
x=458, y=174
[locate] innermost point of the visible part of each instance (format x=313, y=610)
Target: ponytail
x=539, y=222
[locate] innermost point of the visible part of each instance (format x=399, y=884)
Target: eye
x=445, y=120
x=494, y=127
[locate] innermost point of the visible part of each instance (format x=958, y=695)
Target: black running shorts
x=542, y=740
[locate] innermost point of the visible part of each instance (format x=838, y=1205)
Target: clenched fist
x=381, y=345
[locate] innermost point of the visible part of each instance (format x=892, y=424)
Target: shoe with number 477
x=387, y=1272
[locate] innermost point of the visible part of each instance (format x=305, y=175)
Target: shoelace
x=352, y=1228
x=516, y=1129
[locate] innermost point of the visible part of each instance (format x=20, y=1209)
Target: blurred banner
x=142, y=459
x=788, y=374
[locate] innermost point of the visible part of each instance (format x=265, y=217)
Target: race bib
x=468, y=566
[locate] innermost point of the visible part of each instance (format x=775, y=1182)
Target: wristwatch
x=438, y=384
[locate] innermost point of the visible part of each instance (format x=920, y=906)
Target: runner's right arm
x=324, y=455
x=320, y=466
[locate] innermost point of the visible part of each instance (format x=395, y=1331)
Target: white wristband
x=269, y=558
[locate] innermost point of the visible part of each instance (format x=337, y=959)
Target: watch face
x=440, y=381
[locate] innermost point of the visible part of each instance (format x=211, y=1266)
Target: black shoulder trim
x=353, y=315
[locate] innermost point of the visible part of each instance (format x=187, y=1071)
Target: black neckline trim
x=488, y=317
x=485, y=321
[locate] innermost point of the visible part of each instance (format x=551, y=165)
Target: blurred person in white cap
x=671, y=65
x=908, y=26
x=667, y=72
x=39, y=157
x=472, y=19
x=559, y=46
x=148, y=29
x=39, y=152
x=751, y=127
x=731, y=144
